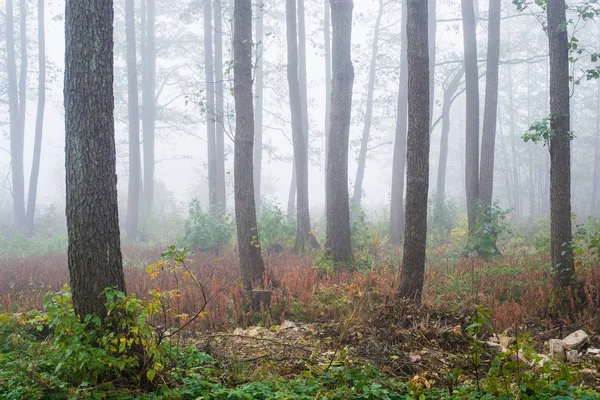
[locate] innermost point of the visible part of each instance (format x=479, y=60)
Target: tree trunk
x=339, y=242
x=472, y=112
x=211, y=140
x=16, y=130
x=399, y=162
x=219, y=108
x=291, y=205
x=298, y=138
x=594, y=205
x=560, y=147
x=94, y=254
x=488, y=141
x=133, y=191
x=149, y=101
x=417, y=181
x=258, y=105
x=432, y=23
x=39, y=122
x=245, y=211
x=302, y=71
x=327, y=41
x=440, y=191
x=362, y=155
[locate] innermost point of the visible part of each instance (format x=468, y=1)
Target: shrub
x=206, y=231
x=274, y=228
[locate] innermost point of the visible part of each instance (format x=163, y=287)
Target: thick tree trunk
x=16, y=129
x=364, y=144
x=488, y=141
x=245, y=211
x=133, y=190
x=417, y=182
x=149, y=101
x=432, y=23
x=259, y=83
x=440, y=191
x=560, y=147
x=327, y=42
x=39, y=121
x=472, y=112
x=339, y=242
x=298, y=138
x=219, y=108
x=399, y=162
x=94, y=254
x=211, y=140
x=302, y=71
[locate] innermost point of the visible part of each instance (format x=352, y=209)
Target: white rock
x=288, y=325
x=593, y=352
x=557, y=347
x=576, y=339
x=573, y=356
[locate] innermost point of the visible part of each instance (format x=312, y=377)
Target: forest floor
x=322, y=321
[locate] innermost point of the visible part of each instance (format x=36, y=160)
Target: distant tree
x=327, y=45
x=135, y=178
x=366, y=134
x=560, y=147
x=39, y=121
x=339, y=243
x=211, y=140
x=472, y=112
x=399, y=162
x=219, y=108
x=149, y=96
x=94, y=254
x=417, y=182
x=245, y=211
x=303, y=235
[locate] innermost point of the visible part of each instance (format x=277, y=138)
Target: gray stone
x=573, y=356
x=576, y=339
x=557, y=347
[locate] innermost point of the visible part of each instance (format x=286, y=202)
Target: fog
x=521, y=169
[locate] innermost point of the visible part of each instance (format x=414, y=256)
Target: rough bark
x=16, y=130
x=440, y=191
x=259, y=83
x=149, y=101
x=251, y=262
x=94, y=254
x=488, y=140
x=327, y=45
x=339, y=243
x=399, y=162
x=417, y=181
x=560, y=148
x=364, y=144
x=298, y=138
x=133, y=189
x=219, y=108
x=211, y=140
x=472, y=112
x=432, y=23
x=39, y=120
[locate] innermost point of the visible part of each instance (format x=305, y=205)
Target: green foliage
x=489, y=224
x=19, y=246
x=274, y=228
x=442, y=213
x=206, y=231
x=540, y=131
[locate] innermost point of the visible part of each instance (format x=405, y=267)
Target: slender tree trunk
x=258, y=106
x=339, y=242
x=417, y=182
x=23, y=71
x=488, y=141
x=149, y=101
x=245, y=211
x=133, y=191
x=291, y=205
x=39, y=121
x=300, y=153
x=443, y=160
x=211, y=139
x=327, y=41
x=560, y=147
x=302, y=71
x=472, y=112
x=399, y=162
x=362, y=155
x=16, y=133
x=594, y=206
x=219, y=108
x=94, y=255
x=515, y=153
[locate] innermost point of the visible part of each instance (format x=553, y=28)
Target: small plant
x=206, y=231
x=489, y=225
x=275, y=231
